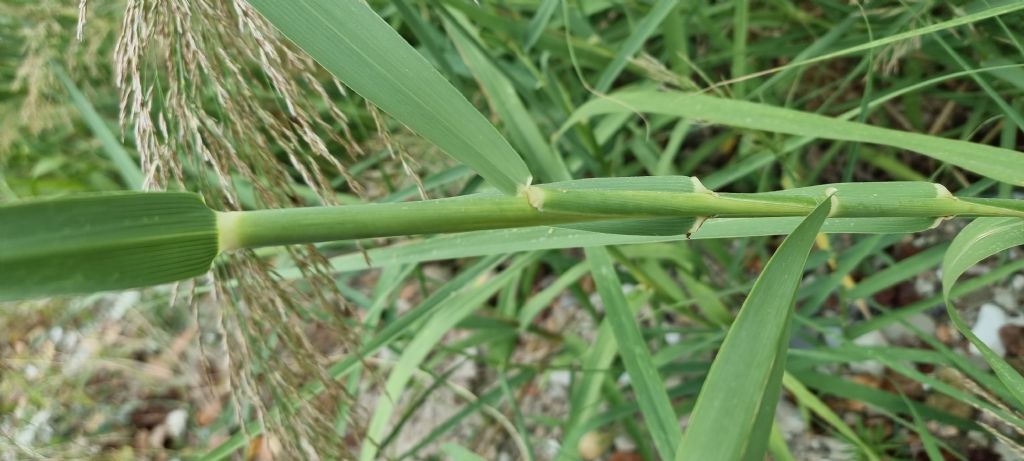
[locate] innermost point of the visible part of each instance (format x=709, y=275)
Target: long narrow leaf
x=585, y=399
x=739, y=394
x=982, y=238
x=648, y=386
x=491, y=242
x=644, y=29
x=130, y=172
x=539, y=22
x=1002, y=164
x=993, y=9
x=504, y=100
x=367, y=55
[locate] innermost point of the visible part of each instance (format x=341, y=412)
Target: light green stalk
x=553, y=206
x=534, y=206
x=128, y=240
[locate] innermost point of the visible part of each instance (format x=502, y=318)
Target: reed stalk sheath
x=544, y=206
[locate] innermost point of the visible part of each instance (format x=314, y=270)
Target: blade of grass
x=458, y=452
x=706, y=300
x=777, y=446
x=585, y=398
x=931, y=448
x=539, y=22
x=539, y=301
x=833, y=34
x=881, y=354
x=850, y=260
x=430, y=37
x=490, y=398
x=1002, y=164
x=676, y=33
x=504, y=100
x=118, y=155
x=979, y=78
x=740, y=24
x=846, y=389
x=820, y=408
x=993, y=9
x=644, y=29
x=367, y=55
x=733, y=414
x=648, y=387
x=766, y=157
x=960, y=289
x=898, y=272
x=548, y=238
x=983, y=238
x=1005, y=70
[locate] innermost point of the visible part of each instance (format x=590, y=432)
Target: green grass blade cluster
x=428, y=335
x=644, y=29
x=649, y=387
x=990, y=10
x=459, y=287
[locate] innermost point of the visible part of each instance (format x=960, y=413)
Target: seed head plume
x=216, y=101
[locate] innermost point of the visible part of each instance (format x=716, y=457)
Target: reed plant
x=531, y=197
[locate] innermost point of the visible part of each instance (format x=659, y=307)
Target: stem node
x=535, y=196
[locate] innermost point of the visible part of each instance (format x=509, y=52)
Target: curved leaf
x=734, y=411
x=980, y=239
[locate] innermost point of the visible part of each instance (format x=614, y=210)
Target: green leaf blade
x=506, y=103
x=644, y=29
x=366, y=54
x=740, y=391
x=103, y=242
x=998, y=163
x=980, y=239
x=648, y=386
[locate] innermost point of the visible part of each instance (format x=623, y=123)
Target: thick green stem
x=659, y=204
x=549, y=206
x=250, y=229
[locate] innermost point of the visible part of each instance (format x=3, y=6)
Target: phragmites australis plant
x=248, y=169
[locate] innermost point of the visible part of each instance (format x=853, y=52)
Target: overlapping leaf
x=734, y=411
x=367, y=55
x=983, y=238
